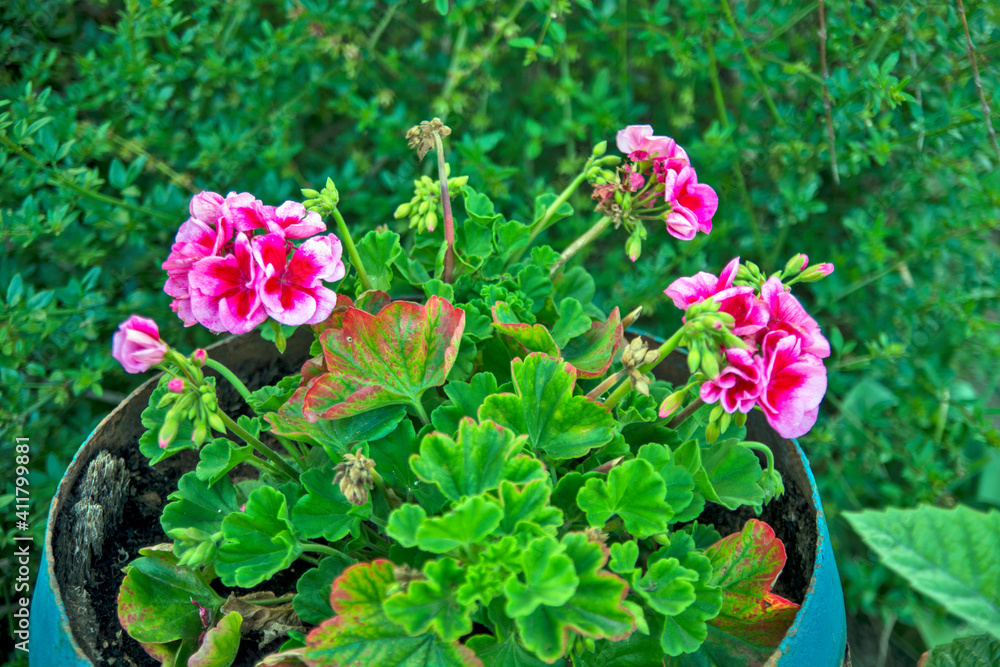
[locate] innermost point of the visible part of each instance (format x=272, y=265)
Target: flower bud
x=431, y=221
x=168, y=431
x=714, y=415
x=770, y=481
x=740, y=418
x=609, y=161
x=671, y=403
x=166, y=400
x=199, y=357
x=711, y=433
x=600, y=149
x=176, y=385
x=215, y=421
x=816, y=272
x=199, y=435
x=402, y=211
x=709, y=364
x=796, y=264
x=694, y=359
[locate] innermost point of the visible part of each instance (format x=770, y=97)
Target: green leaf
x=510, y=236
x=544, y=201
x=361, y=634
x=199, y=506
x=634, y=492
x=680, y=483
x=728, y=472
x=154, y=604
x=471, y=521
x=431, y=604
x=312, y=600
x=15, y=288
x=528, y=337
x=258, y=541
x=220, y=456
x=385, y=359
x=964, y=577
x=753, y=620
x=505, y=649
x=549, y=578
x=624, y=556
x=403, y=524
x=485, y=578
x=592, y=352
x=979, y=651
x=378, y=250
x=595, y=610
x=571, y=323
x=220, y=644
x=335, y=436
x=529, y=503
x=687, y=631
x=534, y=284
x=637, y=650
x=668, y=587
x=556, y=422
x=466, y=397
x=392, y=460
x=480, y=208
x=471, y=465
x=324, y=511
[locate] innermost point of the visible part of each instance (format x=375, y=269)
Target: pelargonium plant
x=476, y=467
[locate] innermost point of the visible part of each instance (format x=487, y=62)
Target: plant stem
x=421, y=412
x=761, y=447
x=580, y=243
x=826, y=94
x=229, y=375
x=751, y=63
x=352, y=251
x=449, y=222
x=682, y=416
x=65, y=182
x=321, y=549
x=272, y=456
x=668, y=346
x=971, y=50
x=594, y=393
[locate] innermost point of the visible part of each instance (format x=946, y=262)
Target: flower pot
x=73, y=614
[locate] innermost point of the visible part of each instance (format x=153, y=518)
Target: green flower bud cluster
x=770, y=481
x=198, y=405
x=706, y=330
x=750, y=274
x=423, y=208
x=324, y=201
x=633, y=244
x=600, y=176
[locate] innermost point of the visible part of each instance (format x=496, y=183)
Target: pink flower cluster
x=690, y=204
x=233, y=265
x=781, y=371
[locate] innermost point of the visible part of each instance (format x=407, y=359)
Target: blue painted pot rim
x=817, y=638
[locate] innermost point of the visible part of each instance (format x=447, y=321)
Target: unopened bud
x=709, y=364
x=609, y=161
x=694, y=359
x=355, y=478
x=600, y=149
x=711, y=433
x=402, y=211
x=816, y=272
x=796, y=264
x=168, y=432
x=176, y=385
x=199, y=357
x=740, y=418
x=671, y=403
x=630, y=319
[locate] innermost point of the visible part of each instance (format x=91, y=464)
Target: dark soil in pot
x=116, y=505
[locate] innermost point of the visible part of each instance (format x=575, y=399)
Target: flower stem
x=352, y=251
x=682, y=416
x=321, y=549
x=761, y=447
x=594, y=393
x=229, y=375
x=668, y=346
x=580, y=243
x=971, y=52
x=268, y=453
x=449, y=221
x=421, y=412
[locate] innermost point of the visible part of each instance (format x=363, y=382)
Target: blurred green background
x=114, y=113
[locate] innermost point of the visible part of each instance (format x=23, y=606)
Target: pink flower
x=751, y=313
x=692, y=204
x=640, y=144
x=224, y=291
x=293, y=221
x=176, y=385
x=633, y=179
x=738, y=384
x=292, y=290
x=207, y=207
x=244, y=211
x=702, y=285
x=794, y=384
x=137, y=345
x=196, y=239
x=787, y=315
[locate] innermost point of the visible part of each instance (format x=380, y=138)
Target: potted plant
x=475, y=464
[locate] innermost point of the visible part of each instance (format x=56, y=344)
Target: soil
x=124, y=485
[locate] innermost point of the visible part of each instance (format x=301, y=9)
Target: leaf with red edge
x=372, y=301
x=336, y=318
x=592, y=353
x=753, y=620
x=361, y=634
x=386, y=359
x=220, y=644
x=529, y=337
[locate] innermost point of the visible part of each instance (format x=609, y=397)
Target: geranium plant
x=476, y=463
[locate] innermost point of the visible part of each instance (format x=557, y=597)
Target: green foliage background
x=116, y=113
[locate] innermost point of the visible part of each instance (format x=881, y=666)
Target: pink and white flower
x=224, y=291
x=702, y=285
x=137, y=345
x=291, y=289
x=794, y=383
x=692, y=204
x=640, y=144
x=788, y=316
x=738, y=385
x=751, y=314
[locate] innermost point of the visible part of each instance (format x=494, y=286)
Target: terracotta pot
x=65, y=637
